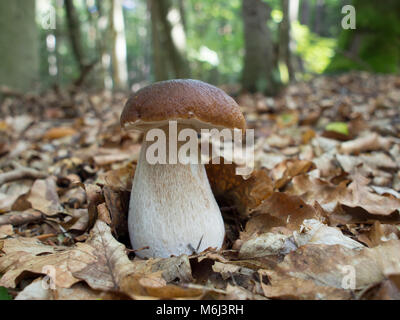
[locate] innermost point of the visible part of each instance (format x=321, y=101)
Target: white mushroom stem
x=172, y=209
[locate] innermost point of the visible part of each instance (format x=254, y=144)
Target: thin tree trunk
x=169, y=41
x=182, y=12
x=259, y=56
x=19, y=43
x=160, y=65
x=319, y=13
x=120, y=68
x=175, y=39
x=74, y=33
x=285, y=39
x=103, y=42
x=305, y=12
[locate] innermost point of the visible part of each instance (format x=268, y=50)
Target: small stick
x=19, y=218
x=136, y=250
x=20, y=173
x=45, y=236
x=195, y=251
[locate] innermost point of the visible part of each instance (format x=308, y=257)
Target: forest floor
x=317, y=219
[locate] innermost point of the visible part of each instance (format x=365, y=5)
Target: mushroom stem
x=172, y=209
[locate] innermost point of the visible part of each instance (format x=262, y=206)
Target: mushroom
x=172, y=210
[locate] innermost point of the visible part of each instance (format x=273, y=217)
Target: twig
x=46, y=236
x=19, y=218
x=136, y=250
x=20, y=173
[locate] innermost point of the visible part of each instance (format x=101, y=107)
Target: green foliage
x=374, y=45
x=66, y=65
x=4, y=295
x=339, y=127
x=138, y=41
x=315, y=51
x=215, y=44
x=215, y=30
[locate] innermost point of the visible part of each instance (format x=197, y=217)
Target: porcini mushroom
x=172, y=209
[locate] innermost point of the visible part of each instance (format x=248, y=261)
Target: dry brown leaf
x=95, y=197
x=28, y=245
x=79, y=221
x=103, y=213
x=380, y=233
x=388, y=289
x=281, y=210
x=109, y=263
x=62, y=263
x=101, y=262
x=332, y=265
x=17, y=218
x=356, y=194
x=11, y=192
x=173, y=269
x=44, y=198
x=74, y=197
x=60, y=132
x=247, y=194
x=267, y=244
x=239, y=293
x=107, y=156
x=314, y=232
x=286, y=170
x=40, y=289
x=360, y=195
x=291, y=288
x=119, y=179
x=369, y=142
x=6, y=230
x=118, y=205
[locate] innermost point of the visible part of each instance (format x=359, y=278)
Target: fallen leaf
x=245, y=194
x=369, y=142
x=44, y=198
x=291, y=288
x=58, y=133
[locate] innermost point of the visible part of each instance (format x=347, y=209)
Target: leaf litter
x=317, y=219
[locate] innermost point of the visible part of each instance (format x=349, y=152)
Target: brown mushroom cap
x=189, y=101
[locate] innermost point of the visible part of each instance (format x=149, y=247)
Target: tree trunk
x=285, y=39
x=103, y=42
x=258, y=60
x=319, y=17
x=169, y=41
x=19, y=41
x=305, y=12
x=120, y=68
x=182, y=12
x=74, y=33
x=160, y=67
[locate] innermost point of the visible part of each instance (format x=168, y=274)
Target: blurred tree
x=19, y=54
x=103, y=41
x=285, y=38
x=319, y=17
x=169, y=40
x=139, y=42
x=215, y=40
x=259, y=67
x=119, y=64
x=375, y=43
x=305, y=12
x=74, y=32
